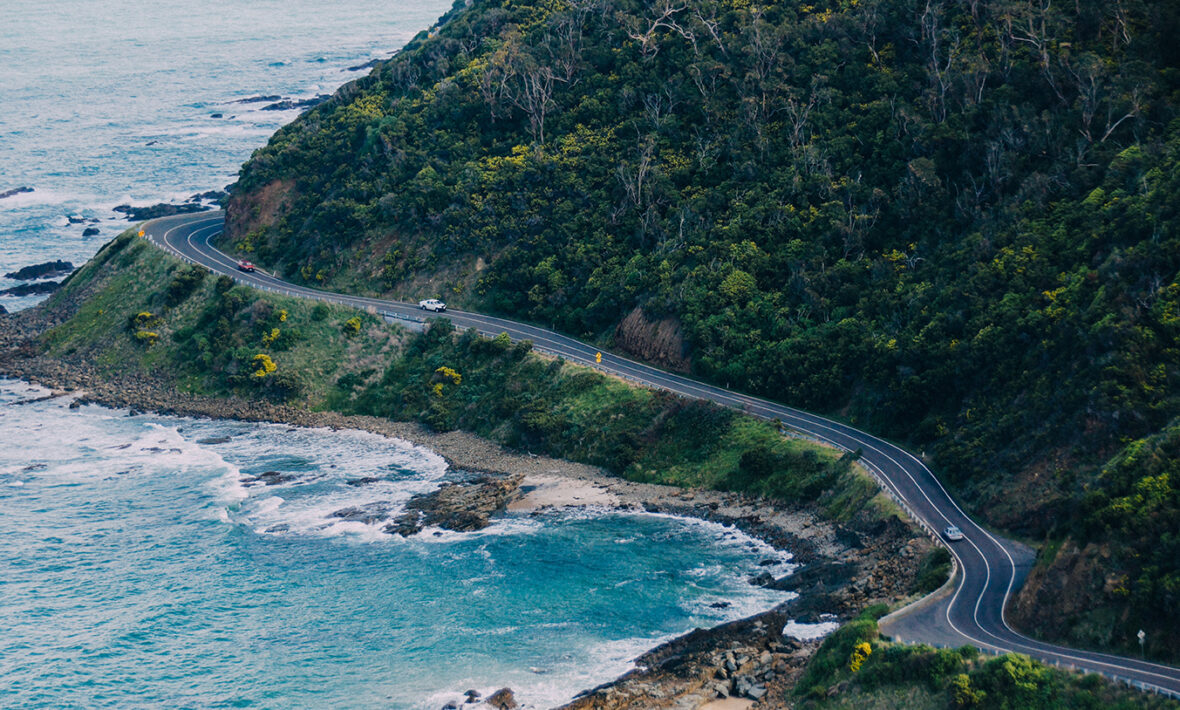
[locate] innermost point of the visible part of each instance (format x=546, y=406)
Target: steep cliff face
x=957, y=224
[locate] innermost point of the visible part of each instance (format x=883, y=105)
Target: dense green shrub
x=492, y=387
x=933, y=572
x=183, y=284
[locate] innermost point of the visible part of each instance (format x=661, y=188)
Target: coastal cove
x=136, y=471
x=868, y=567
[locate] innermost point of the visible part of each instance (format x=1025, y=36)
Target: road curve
x=990, y=568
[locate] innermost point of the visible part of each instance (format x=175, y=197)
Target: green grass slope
x=144, y=315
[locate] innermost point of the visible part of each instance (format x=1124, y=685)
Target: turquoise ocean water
x=141, y=568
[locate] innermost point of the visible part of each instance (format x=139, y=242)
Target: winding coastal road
x=990, y=569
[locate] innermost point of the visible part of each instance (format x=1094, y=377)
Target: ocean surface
x=109, y=102
x=142, y=567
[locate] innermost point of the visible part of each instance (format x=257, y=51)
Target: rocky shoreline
x=747, y=663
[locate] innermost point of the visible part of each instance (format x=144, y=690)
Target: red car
x=245, y=266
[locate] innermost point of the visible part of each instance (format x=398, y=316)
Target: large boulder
x=47, y=270
x=503, y=699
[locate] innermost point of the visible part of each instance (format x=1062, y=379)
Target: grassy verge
x=147, y=315
x=143, y=313
x=855, y=668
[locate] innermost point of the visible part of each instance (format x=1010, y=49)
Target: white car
x=432, y=304
x=953, y=533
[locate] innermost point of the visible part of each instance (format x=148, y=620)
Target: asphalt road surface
x=990, y=568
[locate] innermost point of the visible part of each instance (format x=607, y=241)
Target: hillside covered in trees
x=953, y=222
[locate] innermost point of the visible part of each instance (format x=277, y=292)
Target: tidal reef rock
x=267, y=98
x=15, y=191
x=3, y=311
x=463, y=506
x=214, y=440
x=33, y=289
x=818, y=578
x=288, y=104
x=368, y=513
x=210, y=196
x=163, y=209
x=90, y=232
x=367, y=65
x=503, y=699
x=47, y=270
x=270, y=478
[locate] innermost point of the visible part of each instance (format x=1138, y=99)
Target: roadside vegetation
x=956, y=224
x=146, y=315
x=856, y=668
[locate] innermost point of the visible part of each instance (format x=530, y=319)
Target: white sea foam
x=554, y=684
x=315, y=467
x=807, y=632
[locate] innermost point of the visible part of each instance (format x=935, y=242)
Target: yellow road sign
x=598, y=357
x=141, y=232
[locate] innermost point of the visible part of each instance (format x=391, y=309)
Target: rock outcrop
x=47, y=270
x=462, y=506
x=34, y=289
x=288, y=104
x=162, y=209
x=502, y=699
x=15, y=191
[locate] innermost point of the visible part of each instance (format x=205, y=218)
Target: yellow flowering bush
x=860, y=654
x=265, y=366
x=442, y=376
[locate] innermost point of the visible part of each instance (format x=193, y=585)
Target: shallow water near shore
x=144, y=569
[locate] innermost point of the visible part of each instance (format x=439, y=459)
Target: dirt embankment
x=249, y=211
x=1076, y=584
x=658, y=341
